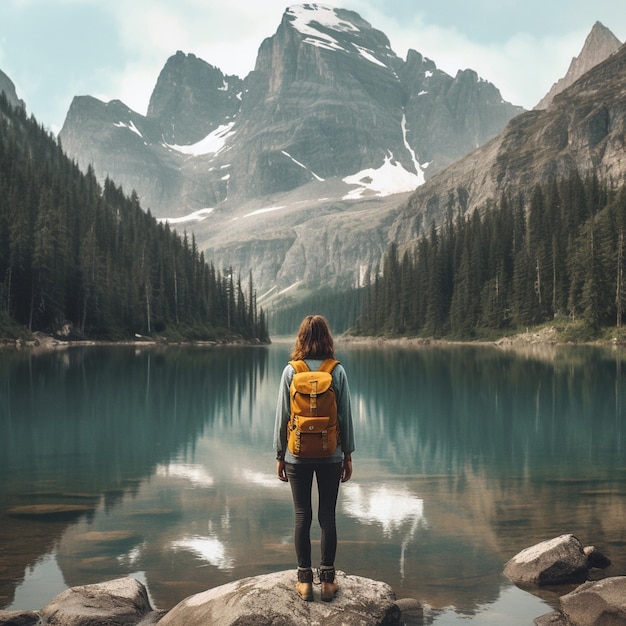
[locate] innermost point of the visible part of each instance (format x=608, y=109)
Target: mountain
x=328, y=99
x=8, y=88
x=192, y=98
x=582, y=130
x=600, y=44
x=328, y=124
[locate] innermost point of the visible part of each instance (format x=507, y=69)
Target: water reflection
x=194, y=473
x=209, y=549
x=396, y=509
x=163, y=458
x=439, y=409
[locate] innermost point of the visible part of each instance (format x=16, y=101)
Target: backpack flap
x=311, y=425
x=308, y=383
x=312, y=437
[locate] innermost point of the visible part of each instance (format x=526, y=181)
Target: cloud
x=522, y=65
x=224, y=34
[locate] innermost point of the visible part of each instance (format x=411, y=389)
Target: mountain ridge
x=7, y=86
x=582, y=130
x=328, y=98
x=599, y=45
x=329, y=118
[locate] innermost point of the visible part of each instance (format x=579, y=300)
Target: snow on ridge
x=213, y=143
x=304, y=167
x=418, y=168
x=305, y=14
x=307, y=17
x=389, y=178
x=367, y=54
x=130, y=125
x=196, y=216
x=265, y=210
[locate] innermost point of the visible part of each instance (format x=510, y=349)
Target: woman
x=314, y=344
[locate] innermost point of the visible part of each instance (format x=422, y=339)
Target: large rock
x=271, y=600
x=18, y=618
x=556, y=561
x=601, y=603
x=117, y=602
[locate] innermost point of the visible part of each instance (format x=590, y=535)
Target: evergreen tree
x=89, y=255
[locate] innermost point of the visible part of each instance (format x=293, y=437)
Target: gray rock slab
x=599, y=603
x=552, y=562
x=18, y=618
x=271, y=600
x=119, y=602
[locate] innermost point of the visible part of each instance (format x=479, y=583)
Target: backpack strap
x=299, y=366
x=328, y=365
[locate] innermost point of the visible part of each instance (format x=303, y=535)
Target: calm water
x=158, y=463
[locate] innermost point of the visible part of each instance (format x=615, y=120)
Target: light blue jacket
x=344, y=414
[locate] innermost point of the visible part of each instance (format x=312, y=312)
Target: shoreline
x=42, y=342
x=531, y=340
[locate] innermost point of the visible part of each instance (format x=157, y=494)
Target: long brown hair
x=314, y=340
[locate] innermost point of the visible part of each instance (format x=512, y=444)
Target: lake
x=158, y=463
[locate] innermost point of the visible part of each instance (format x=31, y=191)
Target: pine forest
x=86, y=256
x=555, y=253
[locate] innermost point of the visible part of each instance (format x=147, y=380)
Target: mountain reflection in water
x=158, y=463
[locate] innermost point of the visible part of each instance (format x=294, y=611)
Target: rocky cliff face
x=8, y=88
x=600, y=44
x=583, y=129
x=192, y=98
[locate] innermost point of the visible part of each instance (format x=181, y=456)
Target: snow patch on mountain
x=303, y=17
x=303, y=166
x=368, y=56
x=213, y=143
x=419, y=169
x=130, y=125
x=264, y=210
x=308, y=18
x=388, y=179
x=196, y=216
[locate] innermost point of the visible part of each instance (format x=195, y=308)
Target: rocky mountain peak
x=330, y=116
x=192, y=98
x=338, y=30
x=600, y=44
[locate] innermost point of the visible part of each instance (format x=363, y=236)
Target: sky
x=54, y=50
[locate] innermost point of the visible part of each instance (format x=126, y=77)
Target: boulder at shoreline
x=552, y=562
x=123, y=601
x=266, y=600
x=599, y=603
x=271, y=600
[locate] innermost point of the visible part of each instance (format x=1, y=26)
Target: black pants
x=301, y=480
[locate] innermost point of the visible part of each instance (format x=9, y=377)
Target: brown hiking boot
x=304, y=586
x=329, y=586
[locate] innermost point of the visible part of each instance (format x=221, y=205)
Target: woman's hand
x=346, y=469
x=280, y=471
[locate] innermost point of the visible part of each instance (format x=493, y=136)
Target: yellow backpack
x=312, y=431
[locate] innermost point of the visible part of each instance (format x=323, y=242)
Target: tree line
x=72, y=250
x=556, y=251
